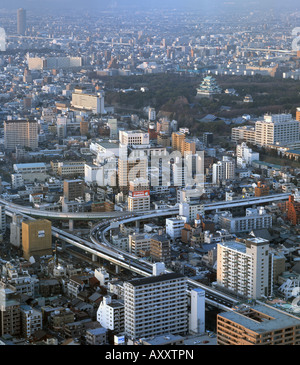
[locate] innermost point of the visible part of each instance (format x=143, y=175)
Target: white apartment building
x=2, y=219
x=255, y=218
x=245, y=269
x=223, y=170
x=277, y=129
x=189, y=210
x=110, y=314
x=245, y=155
x=155, y=306
x=174, y=227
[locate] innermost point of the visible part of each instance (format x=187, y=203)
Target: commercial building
x=155, y=306
x=243, y=134
x=36, y=238
x=257, y=324
x=136, y=137
x=20, y=133
x=245, y=268
x=139, y=196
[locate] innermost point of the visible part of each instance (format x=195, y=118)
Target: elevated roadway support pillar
x=94, y=258
x=117, y=269
x=71, y=225
x=137, y=224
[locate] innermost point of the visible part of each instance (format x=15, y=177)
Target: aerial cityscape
x=149, y=174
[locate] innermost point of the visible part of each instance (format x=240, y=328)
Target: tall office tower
x=277, y=129
x=245, y=269
x=10, y=319
x=73, y=189
x=197, y=318
x=257, y=324
x=20, y=132
x=21, y=21
x=36, y=238
x=156, y=305
x=160, y=248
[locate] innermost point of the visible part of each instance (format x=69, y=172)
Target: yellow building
x=36, y=238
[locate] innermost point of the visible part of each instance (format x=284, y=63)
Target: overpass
x=150, y=214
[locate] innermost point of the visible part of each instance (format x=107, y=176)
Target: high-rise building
x=245, y=268
x=20, y=132
x=155, y=306
x=36, y=238
x=223, y=170
x=21, y=21
x=139, y=195
x=257, y=324
x=90, y=102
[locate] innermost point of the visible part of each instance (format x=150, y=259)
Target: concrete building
x=31, y=320
x=16, y=230
x=10, y=320
x=139, y=195
x=20, y=132
x=155, y=306
x=276, y=129
x=257, y=324
x=245, y=155
x=36, y=238
x=139, y=244
x=160, y=248
x=223, y=170
x=110, y=314
x=245, y=269
x=197, y=317
x=73, y=189
x=136, y=137
x=255, y=218
x=96, y=336
x=174, y=227
x=89, y=102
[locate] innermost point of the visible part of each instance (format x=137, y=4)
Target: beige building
x=160, y=248
x=36, y=238
x=257, y=324
x=20, y=133
x=139, y=243
x=245, y=269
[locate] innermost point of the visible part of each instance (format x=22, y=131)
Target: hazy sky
x=204, y=5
